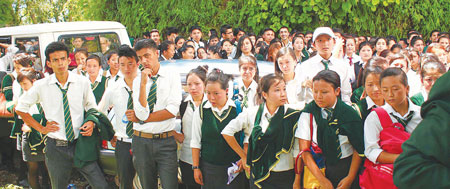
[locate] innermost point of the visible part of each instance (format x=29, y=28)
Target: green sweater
x=99, y=88
x=418, y=99
x=425, y=161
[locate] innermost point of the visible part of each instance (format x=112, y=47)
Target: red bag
x=391, y=139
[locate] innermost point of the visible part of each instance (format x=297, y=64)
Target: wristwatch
x=141, y=122
x=195, y=167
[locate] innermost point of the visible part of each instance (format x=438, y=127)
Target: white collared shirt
x=251, y=94
x=246, y=121
x=113, y=79
x=308, y=69
x=304, y=132
x=414, y=82
x=186, y=150
x=370, y=103
x=45, y=91
x=168, y=97
x=198, y=45
x=355, y=60
x=372, y=128
x=97, y=79
x=16, y=88
x=197, y=122
x=292, y=94
x=117, y=96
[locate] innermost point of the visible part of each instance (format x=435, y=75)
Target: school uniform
x=112, y=79
x=356, y=95
x=269, y=137
x=364, y=107
x=414, y=82
x=424, y=162
x=248, y=93
x=305, y=55
x=355, y=64
x=187, y=174
x=215, y=154
x=119, y=95
x=99, y=86
x=372, y=128
x=33, y=141
x=292, y=94
x=338, y=134
x=308, y=69
x=60, y=147
x=154, y=149
x=419, y=98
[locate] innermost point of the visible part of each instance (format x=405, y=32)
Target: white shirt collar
x=411, y=107
x=370, y=103
x=189, y=98
x=70, y=79
x=334, y=106
x=253, y=85
x=227, y=105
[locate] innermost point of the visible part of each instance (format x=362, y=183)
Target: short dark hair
x=81, y=50
x=237, y=30
x=109, y=55
x=165, y=45
x=395, y=72
x=145, y=43
x=95, y=57
x=191, y=29
x=267, y=29
x=282, y=28
x=200, y=72
x=171, y=30
x=224, y=28
x=431, y=33
x=370, y=70
x=330, y=77
x=264, y=85
x=217, y=75
x=127, y=51
x=55, y=46
x=415, y=39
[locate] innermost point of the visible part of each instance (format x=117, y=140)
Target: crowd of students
x=317, y=121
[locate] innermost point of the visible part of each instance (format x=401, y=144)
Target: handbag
x=4, y=113
x=391, y=138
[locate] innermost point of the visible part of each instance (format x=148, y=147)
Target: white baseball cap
x=322, y=31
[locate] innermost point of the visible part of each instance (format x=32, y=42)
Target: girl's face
x=429, y=78
x=418, y=46
x=298, y=44
x=92, y=67
x=286, y=64
x=228, y=47
x=80, y=59
x=248, y=71
x=372, y=87
x=366, y=53
x=350, y=46
x=196, y=87
x=202, y=54
x=212, y=55
x=114, y=62
x=324, y=94
x=213, y=42
x=394, y=92
x=400, y=63
x=415, y=61
x=444, y=42
x=17, y=67
x=26, y=84
x=381, y=45
x=216, y=95
x=180, y=43
x=276, y=94
x=191, y=43
x=188, y=54
x=246, y=47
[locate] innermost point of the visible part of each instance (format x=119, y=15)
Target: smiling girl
x=99, y=82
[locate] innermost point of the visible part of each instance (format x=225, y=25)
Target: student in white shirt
x=323, y=42
x=60, y=145
x=80, y=55
x=269, y=123
x=113, y=73
x=430, y=72
x=285, y=63
x=353, y=60
x=120, y=97
x=394, y=87
x=401, y=61
x=99, y=82
x=247, y=84
x=211, y=155
x=196, y=80
x=156, y=101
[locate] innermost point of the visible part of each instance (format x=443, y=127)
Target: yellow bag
x=309, y=180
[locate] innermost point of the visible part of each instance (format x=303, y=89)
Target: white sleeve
x=196, y=130
x=89, y=101
x=173, y=104
x=346, y=89
x=303, y=131
x=372, y=129
x=241, y=122
x=140, y=111
x=106, y=101
x=28, y=99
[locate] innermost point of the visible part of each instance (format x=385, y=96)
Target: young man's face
x=77, y=43
x=148, y=58
x=434, y=37
x=239, y=35
x=169, y=52
x=172, y=37
x=324, y=45
x=59, y=62
x=196, y=35
x=284, y=34
x=268, y=36
x=155, y=37
x=228, y=34
x=128, y=66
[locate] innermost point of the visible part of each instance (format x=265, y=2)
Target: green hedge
x=365, y=17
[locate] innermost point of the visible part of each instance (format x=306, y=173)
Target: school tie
x=329, y=112
x=191, y=104
x=67, y=118
x=268, y=117
x=129, y=128
x=325, y=63
x=93, y=85
x=245, y=101
x=151, y=99
x=350, y=62
x=405, y=121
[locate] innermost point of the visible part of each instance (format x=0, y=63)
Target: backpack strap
x=183, y=107
x=384, y=117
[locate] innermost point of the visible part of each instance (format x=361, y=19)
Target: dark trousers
x=187, y=176
x=125, y=168
x=216, y=177
x=277, y=180
x=335, y=173
x=59, y=161
x=153, y=157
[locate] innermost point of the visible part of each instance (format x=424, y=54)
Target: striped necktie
x=329, y=112
x=245, y=101
x=405, y=121
x=67, y=118
x=151, y=99
x=325, y=63
x=129, y=128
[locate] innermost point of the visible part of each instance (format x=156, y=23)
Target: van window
x=31, y=46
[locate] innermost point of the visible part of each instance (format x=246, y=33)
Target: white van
x=98, y=37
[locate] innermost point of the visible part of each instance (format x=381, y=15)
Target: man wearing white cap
x=323, y=42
